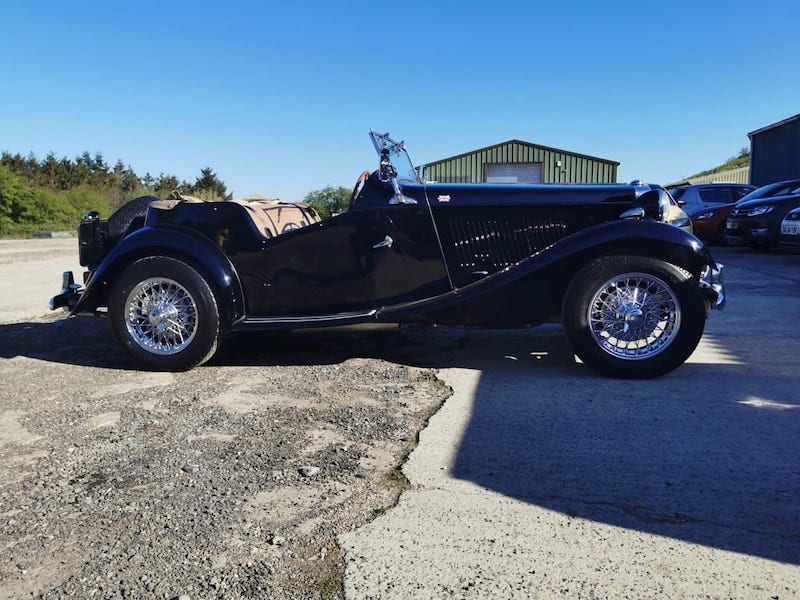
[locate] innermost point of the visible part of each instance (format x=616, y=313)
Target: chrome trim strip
x=306, y=319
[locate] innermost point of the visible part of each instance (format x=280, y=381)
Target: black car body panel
x=405, y=251
x=332, y=268
x=178, y=242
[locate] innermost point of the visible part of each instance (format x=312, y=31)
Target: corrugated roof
x=774, y=125
x=524, y=143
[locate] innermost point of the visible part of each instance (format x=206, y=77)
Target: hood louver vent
x=494, y=244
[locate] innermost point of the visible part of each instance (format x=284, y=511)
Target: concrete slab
x=539, y=479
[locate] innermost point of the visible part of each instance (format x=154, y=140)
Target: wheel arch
x=646, y=239
x=552, y=269
x=181, y=244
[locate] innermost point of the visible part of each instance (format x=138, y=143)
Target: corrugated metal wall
x=573, y=168
x=740, y=175
x=775, y=152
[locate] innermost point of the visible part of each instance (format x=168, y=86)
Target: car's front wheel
x=633, y=317
x=165, y=315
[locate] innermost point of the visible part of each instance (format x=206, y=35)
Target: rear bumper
x=713, y=287
x=792, y=241
x=70, y=293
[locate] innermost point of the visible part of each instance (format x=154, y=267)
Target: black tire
x=128, y=218
x=165, y=315
x=633, y=317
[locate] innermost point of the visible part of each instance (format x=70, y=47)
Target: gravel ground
x=230, y=481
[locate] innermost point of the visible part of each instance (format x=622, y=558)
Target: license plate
x=731, y=225
x=790, y=229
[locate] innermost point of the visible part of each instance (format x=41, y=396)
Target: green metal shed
x=516, y=161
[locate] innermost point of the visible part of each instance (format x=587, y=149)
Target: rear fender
x=180, y=243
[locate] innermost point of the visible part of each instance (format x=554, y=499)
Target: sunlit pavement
x=31, y=271
x=540, y=479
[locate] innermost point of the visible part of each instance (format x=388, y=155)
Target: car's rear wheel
x=633, y=317
x=164, y=314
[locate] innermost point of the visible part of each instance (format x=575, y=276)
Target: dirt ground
x=230, y=481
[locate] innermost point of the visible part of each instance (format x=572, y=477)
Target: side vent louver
x=496, y=243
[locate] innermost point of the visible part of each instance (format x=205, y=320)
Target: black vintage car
x=175, y=276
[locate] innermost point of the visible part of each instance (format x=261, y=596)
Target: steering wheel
x=362, y=179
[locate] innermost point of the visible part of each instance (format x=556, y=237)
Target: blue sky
x=278, y=97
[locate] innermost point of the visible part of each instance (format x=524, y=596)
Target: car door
x=354, y=262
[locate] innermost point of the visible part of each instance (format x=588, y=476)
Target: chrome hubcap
x=634, y=316
x=161, y=316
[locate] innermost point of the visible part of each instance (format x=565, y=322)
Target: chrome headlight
x=759, y=210
x=685, y=222
x=706, y=215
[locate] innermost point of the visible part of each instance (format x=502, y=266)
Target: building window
x=514, y=173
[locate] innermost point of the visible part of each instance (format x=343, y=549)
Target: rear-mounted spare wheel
x=128, y=218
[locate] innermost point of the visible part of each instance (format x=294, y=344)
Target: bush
x=25, y=209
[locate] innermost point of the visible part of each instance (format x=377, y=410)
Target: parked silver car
x=708, y=195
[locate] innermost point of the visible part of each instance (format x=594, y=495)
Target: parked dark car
x=632, y=292
x=757, y=222
x=704, y=196
x=790, y=229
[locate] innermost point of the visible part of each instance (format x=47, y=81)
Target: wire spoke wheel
x=634, y=316
x=161, y=316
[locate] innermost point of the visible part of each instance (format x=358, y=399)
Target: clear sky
x=278, y=97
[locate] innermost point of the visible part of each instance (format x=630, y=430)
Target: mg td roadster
x=176, y=276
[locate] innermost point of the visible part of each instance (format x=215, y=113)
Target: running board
x=303, y=321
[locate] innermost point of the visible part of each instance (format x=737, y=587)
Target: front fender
x=564, y=258
x=534, y=287
x=185, y=244
x=644, y=238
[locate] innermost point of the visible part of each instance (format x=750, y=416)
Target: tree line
x=118, y=182
x=54, y=192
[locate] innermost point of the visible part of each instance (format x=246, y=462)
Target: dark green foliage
x=329, y=200
x=53, y=193
x=25, y=208
x=209, y=187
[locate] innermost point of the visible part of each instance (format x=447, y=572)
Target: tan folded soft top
x=270, y=216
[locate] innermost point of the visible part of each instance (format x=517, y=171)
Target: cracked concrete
x=538, y=479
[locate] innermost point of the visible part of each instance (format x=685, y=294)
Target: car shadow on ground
x=80, y=341
x=713, y=465
x=88, y=342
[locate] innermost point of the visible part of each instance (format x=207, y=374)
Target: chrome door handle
x=386, y=243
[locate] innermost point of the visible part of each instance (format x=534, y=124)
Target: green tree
x=208, y=185
x=17, y=200
x=164, y=185
x=329, y=200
